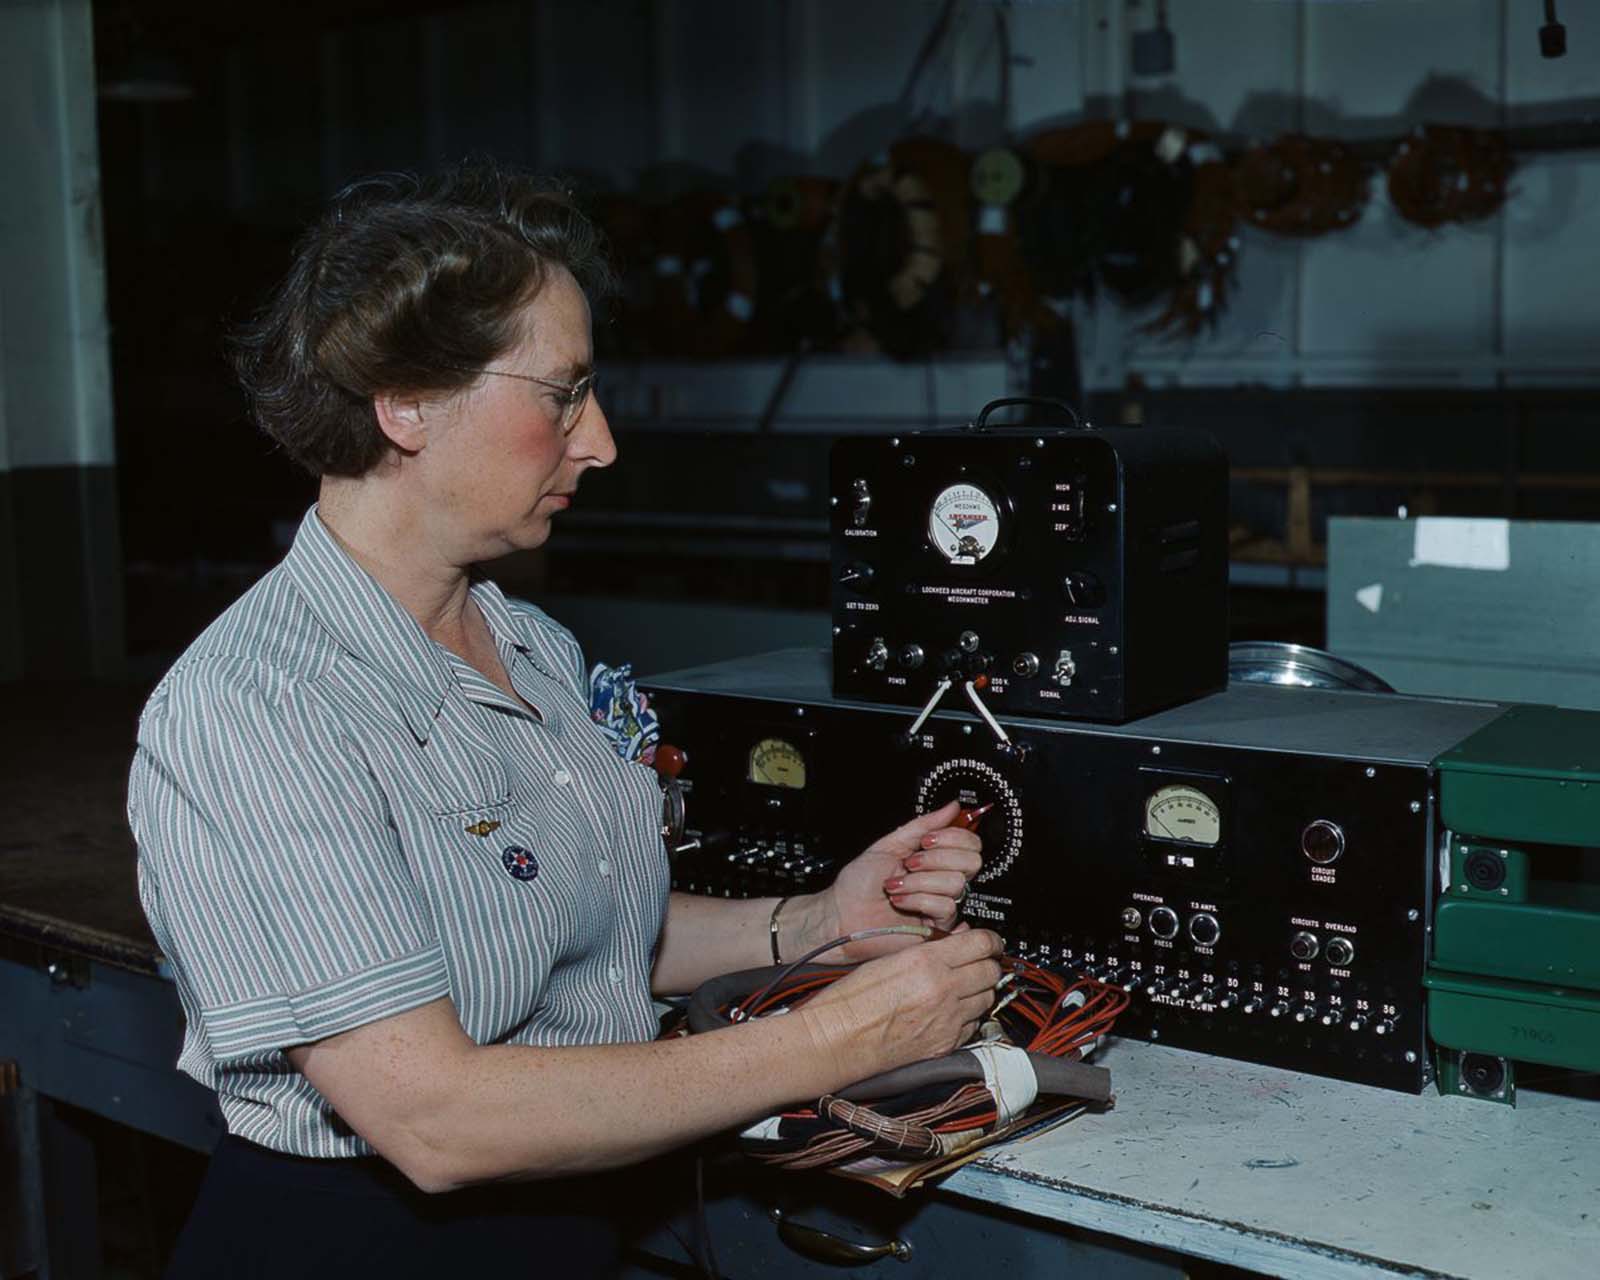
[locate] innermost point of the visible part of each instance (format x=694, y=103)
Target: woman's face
x=497, y=461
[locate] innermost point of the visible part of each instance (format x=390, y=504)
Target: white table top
x=1302, y=1177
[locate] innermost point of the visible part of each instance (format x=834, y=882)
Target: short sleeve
x=274, y=879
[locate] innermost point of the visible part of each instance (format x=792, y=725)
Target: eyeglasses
x=573, y=397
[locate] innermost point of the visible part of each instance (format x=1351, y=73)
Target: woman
x=415, y=904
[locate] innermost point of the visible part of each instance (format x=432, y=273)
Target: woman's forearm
x=519, y=1112
x=706, y=937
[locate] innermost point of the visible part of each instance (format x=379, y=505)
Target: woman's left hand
x=917, y=874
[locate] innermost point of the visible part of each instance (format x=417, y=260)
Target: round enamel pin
x=520, y=862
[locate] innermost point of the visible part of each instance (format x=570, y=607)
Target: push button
x=604, y=867
x=561, y=777
x=614, y=973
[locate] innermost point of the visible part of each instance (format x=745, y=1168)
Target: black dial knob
x=857, y=575
x=1083, y=590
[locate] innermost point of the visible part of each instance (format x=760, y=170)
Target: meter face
x=964, y=523
x=1184, y=813
x=775, y=762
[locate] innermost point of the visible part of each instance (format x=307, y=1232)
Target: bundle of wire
x=1031, y=1044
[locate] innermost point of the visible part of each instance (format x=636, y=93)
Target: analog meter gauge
x=1179, y=812
x=974, y=783
x=775, y=762
x=964, y=523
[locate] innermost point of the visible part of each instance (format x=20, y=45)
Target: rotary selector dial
x=973, y=783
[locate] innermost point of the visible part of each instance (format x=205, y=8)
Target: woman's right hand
x=918, y=1003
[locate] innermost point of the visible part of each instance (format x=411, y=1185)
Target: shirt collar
x=369, y=623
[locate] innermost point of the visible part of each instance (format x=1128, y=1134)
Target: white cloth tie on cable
x=1009, y=1077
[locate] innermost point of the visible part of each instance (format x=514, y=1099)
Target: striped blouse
x=339, y=820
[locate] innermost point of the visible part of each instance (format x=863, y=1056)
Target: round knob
x=857, y=574
x=669, y=760
x=1082, y=590
x=1331, y=1018
x=1357, y=1023
x=1279, y=1009
x=1204, y=929
x=1132, y=918
x=1304, y=946
x=1025, y=665
x=1164, y=922
x=1322, y=841
x=1228, y=1001
x=1340, y=952
x=1383, y=1027
x=1305, y=1013
x=911, y=656
x=1252, y=1005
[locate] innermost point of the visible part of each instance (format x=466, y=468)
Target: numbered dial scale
x=974, y=783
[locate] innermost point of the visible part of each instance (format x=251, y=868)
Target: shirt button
x=605, y=867
x=561, y=777
x=614, y=973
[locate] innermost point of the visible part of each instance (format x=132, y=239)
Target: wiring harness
x=1031, y=1044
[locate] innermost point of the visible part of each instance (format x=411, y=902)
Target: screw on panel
x=966, y=728
x=1111, y=506
x=838, y=630
x=1113, y=651
x=1413, y=914
x=1416, y=806
x=1155, y=1033
x=1410, y=1056
x=1371, y=772
x=833, y=501
x=799, y=711
x=1155, y=751
x=894, y=443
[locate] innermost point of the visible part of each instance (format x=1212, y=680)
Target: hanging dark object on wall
x=900, y=238
x=1003, y=182
x=1552, y=36
x=1301, y=186
x=1146, y=192
x=796, y=307
x=706, y=279
x=1446, y=173
x=1208, y=247
x=1060, y=229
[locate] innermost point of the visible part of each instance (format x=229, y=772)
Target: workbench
x=1267, y=1170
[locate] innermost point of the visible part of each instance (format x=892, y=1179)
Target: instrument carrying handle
x=980, y=423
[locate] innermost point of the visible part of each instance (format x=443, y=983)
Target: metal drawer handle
x=821, y=1246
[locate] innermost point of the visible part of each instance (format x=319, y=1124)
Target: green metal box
x=1531, y=776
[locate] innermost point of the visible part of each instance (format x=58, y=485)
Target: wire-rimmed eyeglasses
x=574, y=394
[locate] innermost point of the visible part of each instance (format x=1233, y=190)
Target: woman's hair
x=405, y=285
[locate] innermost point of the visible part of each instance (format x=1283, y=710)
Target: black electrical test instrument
x=1077, y=572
